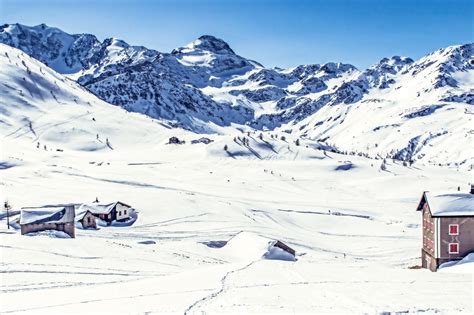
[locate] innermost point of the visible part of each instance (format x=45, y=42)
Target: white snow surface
x=355, y=229
x=49, y=233
x=465, y=265
x=451, y=204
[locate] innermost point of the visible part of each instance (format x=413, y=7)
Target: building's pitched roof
x=285, y=247
x=81, y=215
x=46, y=215
x=450, y=205
x=123, y=204
x=95, y=208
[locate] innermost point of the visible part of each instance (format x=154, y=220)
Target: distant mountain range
x=398, y=107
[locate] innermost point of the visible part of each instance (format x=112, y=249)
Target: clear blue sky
x=273, y=32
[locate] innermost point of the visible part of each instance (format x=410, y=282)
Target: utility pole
x=7, y=208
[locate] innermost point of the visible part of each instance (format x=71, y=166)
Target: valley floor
x=355, y=230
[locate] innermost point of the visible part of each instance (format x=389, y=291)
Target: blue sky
x=274, y=32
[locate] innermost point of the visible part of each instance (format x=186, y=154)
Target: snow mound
x=246, y=246
x=345, y=167
x=128, y=222
x=50, y=233
x=465, y=265
x=276, y=253
x=250, y=246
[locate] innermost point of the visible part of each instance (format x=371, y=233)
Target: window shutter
x=454, y=229
x=454, y=248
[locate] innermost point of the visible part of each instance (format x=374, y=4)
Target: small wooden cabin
x=60, y=218
x=448, y=228
x=86, y=219
x=117, y=211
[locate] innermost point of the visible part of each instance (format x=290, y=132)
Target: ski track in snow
x=223, y=282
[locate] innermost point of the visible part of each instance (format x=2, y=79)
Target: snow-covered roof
x=81, y=215
x=450, y=205
x=46, y=214
x=96, y=208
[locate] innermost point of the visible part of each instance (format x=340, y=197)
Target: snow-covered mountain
x=41, y=108
x=399, y=108
x=137, y=78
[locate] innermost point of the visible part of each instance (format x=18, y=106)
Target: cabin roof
x=123, y=204
x=96, y=208
x=81, y=215
x=46, y=215
x=285, y=247
x=449, y=205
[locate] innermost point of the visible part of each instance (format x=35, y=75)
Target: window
x=125, y=212
x=454, y=229
x=454, y=248
x=120, y=213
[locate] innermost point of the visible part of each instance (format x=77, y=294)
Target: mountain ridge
x=205, y=86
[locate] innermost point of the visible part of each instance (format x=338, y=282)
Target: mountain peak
x=390, y=65
x=396, y=60
x=41, y=26
x=115, y=42
x=210, y=43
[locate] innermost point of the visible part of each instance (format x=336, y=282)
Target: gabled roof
x=46, y=215
x=81, y=215
x=96, y=208
x=449, y=205
x=123, y=204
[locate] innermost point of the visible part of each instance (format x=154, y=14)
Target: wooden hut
x=86, y=219
x=116, y=211
x=60, y=218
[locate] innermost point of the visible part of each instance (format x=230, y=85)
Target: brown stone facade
x=67, y=228
x=428, y=261
x=428, y=231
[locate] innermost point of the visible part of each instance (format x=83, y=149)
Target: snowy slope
x=38, y=105
x=413, y=119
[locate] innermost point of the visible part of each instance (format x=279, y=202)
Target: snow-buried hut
x=448, y=228
x=116, y=211
x=59, y=218
x=248, y=245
